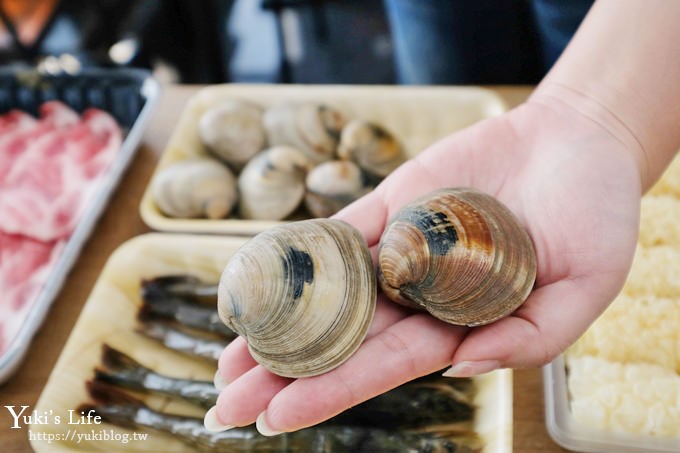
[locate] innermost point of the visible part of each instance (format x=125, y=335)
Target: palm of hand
x=572, y=185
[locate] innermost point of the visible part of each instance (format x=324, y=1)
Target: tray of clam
x=244, y=158
x=136, y=373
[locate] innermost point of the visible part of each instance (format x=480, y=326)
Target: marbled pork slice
x=50, y=182
x=24, y=267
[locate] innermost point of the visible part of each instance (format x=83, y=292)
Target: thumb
x=551, y=319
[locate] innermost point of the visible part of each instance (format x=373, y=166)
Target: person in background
x=484, y=42
x=188, y=38
x=571, y=162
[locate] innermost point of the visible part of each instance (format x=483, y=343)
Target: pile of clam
x=265, y=164
x=303, y=294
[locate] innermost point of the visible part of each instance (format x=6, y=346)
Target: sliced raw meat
x=49, y=169
x=54, y=170
x=24, y=267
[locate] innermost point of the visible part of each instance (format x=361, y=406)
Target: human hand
x=572, y=183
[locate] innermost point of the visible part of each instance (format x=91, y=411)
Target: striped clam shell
x=371, y=146
x=197, y=187
x=333, y=185
x=233, y=131
x=272, y=184
x=311, y=127
x=301, y=294
x=459, y=254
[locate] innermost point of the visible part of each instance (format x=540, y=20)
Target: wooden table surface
x=120, y=222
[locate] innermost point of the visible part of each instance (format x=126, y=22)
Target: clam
x=301, y=294
x=459, y=254
x=333, y=185
x=233, y=131
x=272, y=184
x=199, y=187
x=311, y=127
x=371, y=146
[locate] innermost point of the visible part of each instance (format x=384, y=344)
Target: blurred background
x=293, y=41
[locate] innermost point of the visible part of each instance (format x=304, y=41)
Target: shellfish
x=333, y=185
x=272, y=184
x=310, y=127
x=199, y=187
x=459, y=254
x=233, y=131
x=302, y=295
x=371, y=146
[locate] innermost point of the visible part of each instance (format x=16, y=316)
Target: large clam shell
x=302, y=295
x=272, y=185
x=233, y=131
x=311, y=127
x=459, y=254
x=198, y=187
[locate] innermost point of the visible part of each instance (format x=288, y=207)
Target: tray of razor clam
x=144, y=351
x=618, y=387
x=243, y=158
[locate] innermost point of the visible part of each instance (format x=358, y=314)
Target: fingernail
x=219, y=381
x=262, y=427
x=470, y=368
x=212, y=423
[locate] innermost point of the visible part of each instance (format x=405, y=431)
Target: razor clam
x=459, y=254
x=302, y=295
x=421, y=404
x=412, y=406
x=233, y=131
x=371, y=146
x=183, y=286
x=159, y=303
x=122, y=370
x=333, y=185
x=196, y=187
x=272, y=184
x=310, y=127
x=182, y=341
x=121, y=409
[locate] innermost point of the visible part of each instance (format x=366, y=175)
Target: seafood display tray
x=110, y=316
x=418, y=116
x=567, y=432
x=127, y=94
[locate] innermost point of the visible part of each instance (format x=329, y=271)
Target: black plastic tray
x=129, y=95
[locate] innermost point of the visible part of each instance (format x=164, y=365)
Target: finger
x=551, y=319
x=368, y=215
x=236, y=359
x=236, y=405
x=386, y=314
x=413, y=347
x=241, y=401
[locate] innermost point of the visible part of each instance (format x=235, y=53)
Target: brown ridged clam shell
x=301, y=294
x=459, y=254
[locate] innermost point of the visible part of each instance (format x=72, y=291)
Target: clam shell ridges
x=459, y=254
x=302, y=295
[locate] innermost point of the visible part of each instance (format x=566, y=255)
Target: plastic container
x=571, y=434
x=110, y=316
x=128, y=95
x=418, y=116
